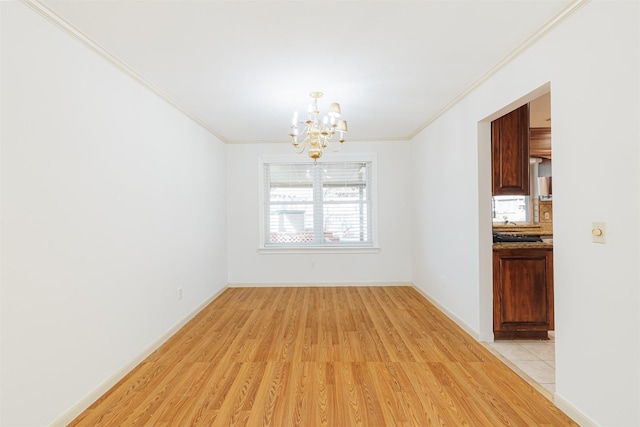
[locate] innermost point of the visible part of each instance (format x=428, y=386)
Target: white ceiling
x=242, y=67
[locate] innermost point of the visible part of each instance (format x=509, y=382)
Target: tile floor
x=535, y=358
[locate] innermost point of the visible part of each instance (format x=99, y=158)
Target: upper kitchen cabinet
x=510, y=153
x=540, y=142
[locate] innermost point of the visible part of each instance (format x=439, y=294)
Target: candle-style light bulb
x=294, y=121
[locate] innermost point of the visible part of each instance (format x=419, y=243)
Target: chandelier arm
x=299, y=149
x=336, y=148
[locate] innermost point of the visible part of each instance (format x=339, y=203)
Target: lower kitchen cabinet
x=522, y=293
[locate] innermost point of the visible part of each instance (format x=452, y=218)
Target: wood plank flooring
x=334, y=356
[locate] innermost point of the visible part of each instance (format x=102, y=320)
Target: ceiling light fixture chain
x=318, y=133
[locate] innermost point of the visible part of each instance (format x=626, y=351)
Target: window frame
x=263, y=247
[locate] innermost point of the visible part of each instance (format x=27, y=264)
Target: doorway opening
x=533, y=360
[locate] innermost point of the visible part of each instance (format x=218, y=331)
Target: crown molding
x=286, y=141
x=44, y=11
x=54, y=18
x=537, y=35
x=380, y=139
x=65, y=26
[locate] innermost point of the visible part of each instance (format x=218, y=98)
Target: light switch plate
x=599, y=232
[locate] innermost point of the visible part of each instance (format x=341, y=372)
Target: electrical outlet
x=179, y=294
x=599, y=232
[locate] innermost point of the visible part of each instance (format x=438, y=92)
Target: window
x=327, y=204
x=508, y=209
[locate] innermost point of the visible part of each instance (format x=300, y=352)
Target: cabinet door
x=510, y=153
x=523, y=293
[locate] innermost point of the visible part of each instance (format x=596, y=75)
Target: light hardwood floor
x=335, y=356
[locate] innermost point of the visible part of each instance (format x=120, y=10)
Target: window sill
x=319, y=250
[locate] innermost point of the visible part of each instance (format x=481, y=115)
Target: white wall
x=591, y=62
x=1, y=327
x=111, y=200
x=391, y=264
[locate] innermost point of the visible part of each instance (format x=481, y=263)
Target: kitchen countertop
x=521, y=245
x=539, y=229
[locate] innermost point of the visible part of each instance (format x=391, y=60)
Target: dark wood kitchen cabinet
x=540, y=142
x=510, y=153
x=522, y=293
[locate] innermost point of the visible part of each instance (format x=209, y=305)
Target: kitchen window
x=508, y=209
x=321, y=205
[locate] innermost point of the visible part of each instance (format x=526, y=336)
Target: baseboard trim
x=572, y=412
x=457, y=320
x=313, y=284
x=101, y=389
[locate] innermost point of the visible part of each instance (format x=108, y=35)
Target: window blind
x=322, y=204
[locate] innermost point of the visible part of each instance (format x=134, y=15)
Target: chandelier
x=318, y=134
